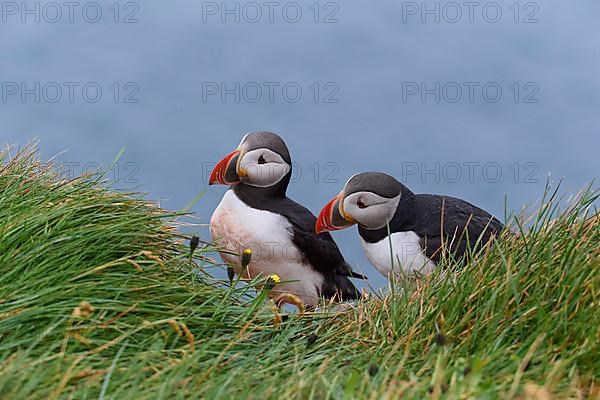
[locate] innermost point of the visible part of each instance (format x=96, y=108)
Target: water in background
x=478, y=101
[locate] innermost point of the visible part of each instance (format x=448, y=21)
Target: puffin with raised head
x=255, y=213
x=419, y=227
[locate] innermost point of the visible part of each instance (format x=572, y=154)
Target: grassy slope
x=98, y=298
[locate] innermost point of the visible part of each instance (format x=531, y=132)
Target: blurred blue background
x=379, y=88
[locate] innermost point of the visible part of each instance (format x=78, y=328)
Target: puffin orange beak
x=332, y=216
x=225, y=172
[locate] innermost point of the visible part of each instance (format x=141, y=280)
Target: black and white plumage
x=422, y=226
x=256, y=213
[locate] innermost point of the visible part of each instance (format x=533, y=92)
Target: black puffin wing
x=320, y=251
x=465, y=226
x=469, y=222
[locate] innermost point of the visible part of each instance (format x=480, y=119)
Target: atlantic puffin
x=420, y=228
x=255, y=213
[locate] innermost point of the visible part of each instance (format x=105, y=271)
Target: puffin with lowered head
x=420, y=228
x=255, y=213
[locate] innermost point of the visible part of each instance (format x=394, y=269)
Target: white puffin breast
x=235, y=226
x=407, y=251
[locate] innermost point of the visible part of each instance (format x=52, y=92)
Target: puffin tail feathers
x=346, y=289
x=356, y=275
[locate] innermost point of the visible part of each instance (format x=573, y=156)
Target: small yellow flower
x=271, y=281
x=246, y=257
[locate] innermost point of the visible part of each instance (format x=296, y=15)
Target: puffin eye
x=360, y=204
x=261, y=160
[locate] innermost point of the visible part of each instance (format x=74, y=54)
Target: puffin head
x=369, y=199
x=262, y=160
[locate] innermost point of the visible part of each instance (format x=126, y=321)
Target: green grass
x=99, y=299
